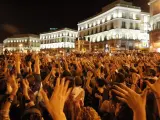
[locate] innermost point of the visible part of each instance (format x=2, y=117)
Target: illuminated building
x=22, y=42
x=120, y=25
x=1, y=48
x=155, y=24
x=59, y=39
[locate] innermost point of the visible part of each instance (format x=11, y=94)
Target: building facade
x=120, y=26
x=22, y=43
x=59, y=39
x=1, y=48
x=155, y=24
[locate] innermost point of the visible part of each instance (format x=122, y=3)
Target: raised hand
x=56, y=103
x=25, y=84
x=135, y=101
x=13, y=83
x=18, y=62
x=155, y=87
x=89, y=74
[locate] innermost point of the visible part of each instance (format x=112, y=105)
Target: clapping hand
x=56, y=103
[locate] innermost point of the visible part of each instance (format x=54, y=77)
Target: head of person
x=78, y=81
x=5, y=88
x=32, y=114
x=100, y=82
x=88, y=113
x=30, y=79
x=152, y=72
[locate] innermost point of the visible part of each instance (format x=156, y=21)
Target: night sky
x=37, y=16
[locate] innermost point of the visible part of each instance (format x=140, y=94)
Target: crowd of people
x=78, y=86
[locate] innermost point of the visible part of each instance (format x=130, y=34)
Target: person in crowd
x=80, y=86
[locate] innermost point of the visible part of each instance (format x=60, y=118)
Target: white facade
x=22, y=43
x=1, y=48
x=155, y=14
x=123, y=21
x=64, y=38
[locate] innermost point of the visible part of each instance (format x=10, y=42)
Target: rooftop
x=120, y=3
x=60, y=30
x=23, y=35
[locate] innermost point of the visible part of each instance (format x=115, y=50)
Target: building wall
x=58, y=39
x=155, y=25
x=1, y=49
x=116, y=23
x=23, y=43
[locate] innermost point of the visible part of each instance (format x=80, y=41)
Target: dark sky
x=37, y=16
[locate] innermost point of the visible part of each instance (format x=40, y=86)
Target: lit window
x=103, y=20
x=134, y=16
x=90, y=25
x=114, y=15
x=145, y=19
x=94, y=24
x=109, y=17
x=86, y=26
x=98, y=22
x=82, y=27
x=120, y=14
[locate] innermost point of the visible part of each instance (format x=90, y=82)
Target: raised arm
x=136, y=102
x=6, y=107
x=89, y=77
x=56, y=103
x=156, y=90
x=37, y=65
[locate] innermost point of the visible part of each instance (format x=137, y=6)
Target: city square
x=85, y=63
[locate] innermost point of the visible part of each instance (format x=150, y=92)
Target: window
x=131, y=25
x=89, y=39
x=123, y=24
x=137, y=26
x=105, y=28
x=111, y=16
x=112, y=26
x=87, y=32
x=137, y=17
x=123, y=15
x=63, y=39
x=131, y=16
x=100, y=30
x=91, y=32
